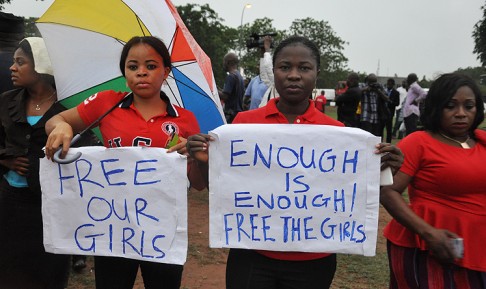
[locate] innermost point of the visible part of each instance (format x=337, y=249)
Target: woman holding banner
x=441, y=231
x=296, y=63
x=145, y=118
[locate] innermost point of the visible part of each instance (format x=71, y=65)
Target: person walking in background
x=411, y=111
x=374, y=108
x=392, y=103
x=296, y=64
x=320, y=102
x=234, y=87
x=145, y=63
x=347, y=103
x=399, y=111
x=444, y=173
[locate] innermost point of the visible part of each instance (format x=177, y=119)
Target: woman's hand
x=179, y=147
x=61, y=135
x=197, y=146
x=18, y=164
x=391, y=157
x=440, y=245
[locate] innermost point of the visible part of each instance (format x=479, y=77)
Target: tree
x=479, y=35
x=207, y=29
x=333, y=61
x=31, y=29
x=2, y=2
x=250, y=58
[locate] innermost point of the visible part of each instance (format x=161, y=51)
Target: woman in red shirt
x=296, y=63
x=444, y=173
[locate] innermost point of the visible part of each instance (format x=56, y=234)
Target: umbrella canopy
x=85, y=40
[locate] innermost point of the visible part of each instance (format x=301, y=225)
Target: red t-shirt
x=320, y=102
x=448, y=191
x=270, y=114
x=125, y=126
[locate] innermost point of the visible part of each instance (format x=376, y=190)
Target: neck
x=461, y=139
x=291, y=111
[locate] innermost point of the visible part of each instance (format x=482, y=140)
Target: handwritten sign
x=306, y=188
x=129, y=202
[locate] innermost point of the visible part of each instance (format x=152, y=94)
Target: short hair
x=391, y=80
x=411, y=78
x=157, y=44
x=441, y=92
x=294, y=40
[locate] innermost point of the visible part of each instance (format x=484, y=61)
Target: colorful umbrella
x=85, y=39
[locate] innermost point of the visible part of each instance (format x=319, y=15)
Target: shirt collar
x=171, y=111
x=309, y=115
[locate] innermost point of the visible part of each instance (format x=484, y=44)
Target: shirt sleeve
x=266, y=69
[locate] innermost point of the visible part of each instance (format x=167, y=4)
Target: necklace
x=463, y=144
x=37, y=106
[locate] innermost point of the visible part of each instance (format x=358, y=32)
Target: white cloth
x=266, y=69
x=42, y=62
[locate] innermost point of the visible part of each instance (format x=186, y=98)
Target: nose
x=294, y=73
x=13, y=67
x=141, y=72
x=461, y=111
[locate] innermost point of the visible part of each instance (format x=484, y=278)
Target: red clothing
x=448, y=191
x=320, y=102
x=270, y=114
x=124, y=126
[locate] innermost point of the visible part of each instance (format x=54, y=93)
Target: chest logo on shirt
x=170, y=128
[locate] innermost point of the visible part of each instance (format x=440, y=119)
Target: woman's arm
x=437, y=240
x=60, y=130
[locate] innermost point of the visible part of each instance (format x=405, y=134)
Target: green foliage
x=30, y=28
x=479, y=35
x=207, y=29
x=2, y=2
x=478, y=74
x=250, y=58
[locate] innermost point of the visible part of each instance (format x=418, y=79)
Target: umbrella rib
x=181, y=82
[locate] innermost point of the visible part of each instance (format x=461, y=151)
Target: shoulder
x=251, y=116
x=480, y=136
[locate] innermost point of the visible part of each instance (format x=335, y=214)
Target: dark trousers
x=374, y=128
x=120, y=273
x=247, y=269
x=388, y=129
x=396, y=127
x=24, y=263
x=411, y=123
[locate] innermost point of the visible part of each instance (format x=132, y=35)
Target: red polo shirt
x=125, y=126
x=270, y=114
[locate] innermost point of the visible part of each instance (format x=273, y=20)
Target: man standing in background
x=347, y=103
x=234, y=87
x=411, y=112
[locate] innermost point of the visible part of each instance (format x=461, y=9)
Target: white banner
x=286, y=187
x=129, y=202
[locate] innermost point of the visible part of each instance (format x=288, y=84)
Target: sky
x=386, y=37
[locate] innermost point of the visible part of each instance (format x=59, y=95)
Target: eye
x=450, y=105
x=151, y=66
x=470, y=105
x=305, y=68
x=132, y=67
x=284, y=67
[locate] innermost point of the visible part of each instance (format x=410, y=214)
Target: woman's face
x=22, y=70
x=145, y=71
x=459, y=113
x=295, y=73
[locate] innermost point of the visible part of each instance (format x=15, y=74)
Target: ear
x=166, y=72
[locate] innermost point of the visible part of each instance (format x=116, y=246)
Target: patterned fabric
x=411, y=268
x=369, y=107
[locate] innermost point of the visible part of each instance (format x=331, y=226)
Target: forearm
x=397, y=207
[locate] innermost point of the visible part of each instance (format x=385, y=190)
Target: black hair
x=153, y=41
x=391, y=80
x=441, y=92
x=411, y=78
x=294, y=40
